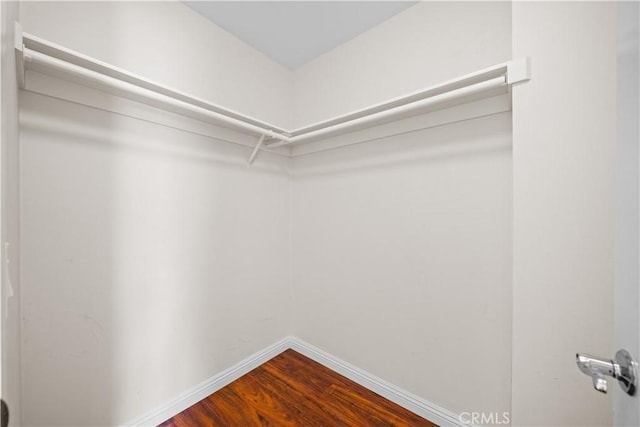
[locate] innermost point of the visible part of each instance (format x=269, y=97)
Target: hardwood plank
x=293, y=390
x=339, y=395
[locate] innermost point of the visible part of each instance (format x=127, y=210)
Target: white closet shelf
x=34, y=53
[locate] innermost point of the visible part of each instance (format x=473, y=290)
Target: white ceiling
x=295, y=32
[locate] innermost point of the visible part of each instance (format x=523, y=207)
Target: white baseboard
x=409, y=401
x=207, y=387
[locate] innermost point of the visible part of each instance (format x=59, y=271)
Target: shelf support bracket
x=257, y=148
x=519, y=70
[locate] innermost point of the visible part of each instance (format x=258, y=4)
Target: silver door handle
x=623, y=368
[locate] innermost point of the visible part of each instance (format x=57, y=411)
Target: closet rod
x=402, y=110
x=43, y=56
x=37, y=60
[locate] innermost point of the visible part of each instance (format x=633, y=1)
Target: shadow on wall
x=135, y=244
x=68, y=270
x=443, y=143
x=402, y=259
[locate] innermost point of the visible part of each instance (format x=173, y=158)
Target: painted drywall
x=402, y=260
x=627, y=163
x=564, y=133
x=401, y=254
x=146, y=267
x=10, y=293
x=172, y=44
x=426, y=44
x=152, y=259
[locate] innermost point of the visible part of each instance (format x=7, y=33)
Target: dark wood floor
x=293, y=390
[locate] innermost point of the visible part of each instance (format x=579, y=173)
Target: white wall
x=170, y=43
x=564, y=133
x=627, y=250
x=151, y=257
x=151, y=260
x=402, y=247
x=426, y=44
x=10, y=300
x=402, y=260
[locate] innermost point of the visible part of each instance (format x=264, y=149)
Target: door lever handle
x=599, y=382
x=622, y=368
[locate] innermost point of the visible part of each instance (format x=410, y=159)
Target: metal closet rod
x=41, y=55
